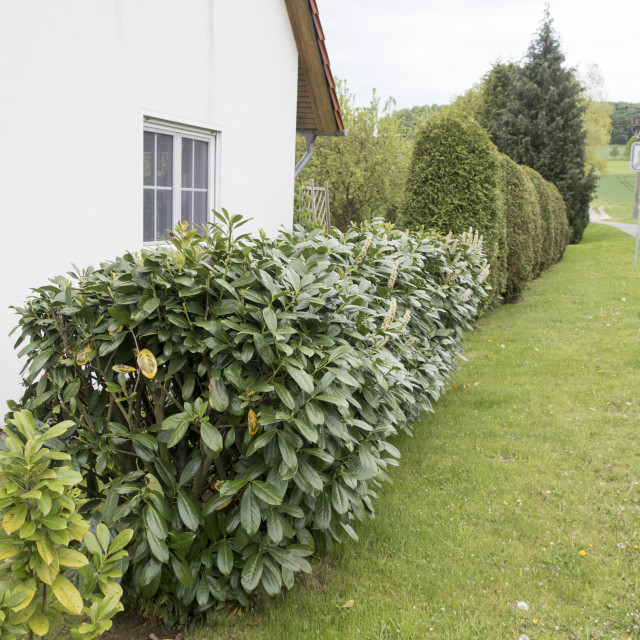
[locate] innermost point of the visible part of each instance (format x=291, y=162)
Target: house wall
x=77, y=78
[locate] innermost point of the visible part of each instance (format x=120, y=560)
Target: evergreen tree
x=542, y=125
x=494, y=89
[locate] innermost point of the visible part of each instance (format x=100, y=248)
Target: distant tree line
x=622, y=119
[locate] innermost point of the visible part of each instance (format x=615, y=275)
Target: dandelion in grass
x=583, y=552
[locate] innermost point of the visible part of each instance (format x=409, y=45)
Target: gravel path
x=601, y=217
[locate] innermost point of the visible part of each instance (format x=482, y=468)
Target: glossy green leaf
x=266, y=492
x=218, y=394
x=252, y=572
x=270, y=319
x=158, y=548
x=188, y=510
x=224, y=559
x=150, y=572
x=323, y=511
x=284, y=395
x=309, y=432
x=181, y=570
x=304, y=380
x=231, y=487
x=155, y=522
x=260, y=441
x=249, y=512
x=211, y=436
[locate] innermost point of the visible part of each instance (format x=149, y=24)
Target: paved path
x=601, y=216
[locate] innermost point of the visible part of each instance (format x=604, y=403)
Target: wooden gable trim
x=318, y=107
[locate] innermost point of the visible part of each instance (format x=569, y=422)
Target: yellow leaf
x=39, y=624
x=77, y=529
x=123, y=368
x=48, y=572
x=347, y=605
x=67, y=595
x=222, y=506
x=9, y=549
x=71, y=559
x=118, y=330
x=28, y=597
x=147, y=363
x=253, y=422
x=154, y=484
x=235, y=613
x=14, y=519
x=44, y=549
x=218, y=484
x=83, y=355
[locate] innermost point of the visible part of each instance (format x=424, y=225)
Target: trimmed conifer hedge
x=521, y=210
x=452, y=185
x=457, y=178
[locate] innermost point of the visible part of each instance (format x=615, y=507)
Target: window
x=177, y=179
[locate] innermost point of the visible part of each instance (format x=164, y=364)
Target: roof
x=318, y=107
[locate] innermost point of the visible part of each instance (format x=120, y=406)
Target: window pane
x=201, y=162
x=149, y=157
x=187, y=163
x=163, y=212
x=186, y=214
x=164, y=167
x=149, y=223
x=200, y=207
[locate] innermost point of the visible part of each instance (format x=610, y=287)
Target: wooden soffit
x=318, y=107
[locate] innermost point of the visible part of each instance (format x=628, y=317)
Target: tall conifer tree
x=542, y=125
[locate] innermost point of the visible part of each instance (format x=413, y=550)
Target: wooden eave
x=318, y=108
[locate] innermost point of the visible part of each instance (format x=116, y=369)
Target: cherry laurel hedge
x=235, y=401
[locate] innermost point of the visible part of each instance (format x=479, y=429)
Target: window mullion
x=177, y=179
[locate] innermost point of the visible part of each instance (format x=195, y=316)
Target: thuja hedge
x=235, y=399
x=457, y=178
x=452, y=185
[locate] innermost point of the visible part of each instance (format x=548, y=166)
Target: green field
x=615, y=190
x=521, y=487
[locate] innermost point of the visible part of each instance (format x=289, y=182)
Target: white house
x=120, y=117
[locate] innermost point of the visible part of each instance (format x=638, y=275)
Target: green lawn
x=522, y=487
x=615, y=190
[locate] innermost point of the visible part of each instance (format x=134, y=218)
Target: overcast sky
x=429, y=51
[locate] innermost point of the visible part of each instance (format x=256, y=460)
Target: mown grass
x=616, y=190
x=531, y=459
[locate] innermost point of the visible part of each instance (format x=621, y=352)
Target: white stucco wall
x=77, y=78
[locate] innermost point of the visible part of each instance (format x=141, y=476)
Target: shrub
x=521, y=210
x=235, y=399
x=546, y=222
x=39, y=507
x=561, y=231
x=452, y=185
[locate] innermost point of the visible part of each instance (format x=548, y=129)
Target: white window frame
x=178, y=131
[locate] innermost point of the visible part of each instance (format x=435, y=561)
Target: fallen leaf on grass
x=236, y=613
x=347, y=605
